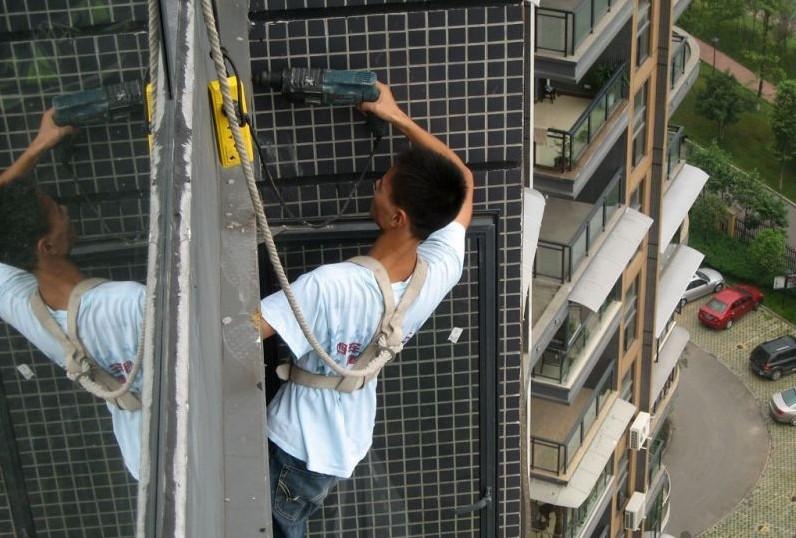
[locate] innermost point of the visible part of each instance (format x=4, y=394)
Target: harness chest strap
x=388, y=338
x=79, y=364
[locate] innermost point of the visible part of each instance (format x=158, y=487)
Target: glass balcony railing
x=548, y=520
x=564, y=148
x=676, y=149
x=681, y=53
x=562, y=357
x=656, y=458
x=556, y=456
x=562, y=31
x=560, y=261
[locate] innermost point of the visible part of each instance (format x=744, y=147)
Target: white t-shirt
x=109, y=322
x=329, y=430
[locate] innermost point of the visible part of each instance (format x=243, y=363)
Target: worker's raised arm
x=48, y=137
x=387, y=109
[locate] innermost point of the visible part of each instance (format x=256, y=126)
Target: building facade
x=611, y=264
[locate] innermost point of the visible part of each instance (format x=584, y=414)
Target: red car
x=728, y=305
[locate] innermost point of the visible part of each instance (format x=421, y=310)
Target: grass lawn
x=748, y=141
x=736, y=36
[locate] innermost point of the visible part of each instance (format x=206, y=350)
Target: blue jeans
x=296, y=493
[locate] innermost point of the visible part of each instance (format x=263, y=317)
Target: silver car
x=783, y=406
x=704, y=282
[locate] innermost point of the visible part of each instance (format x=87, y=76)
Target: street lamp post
x=715, y=41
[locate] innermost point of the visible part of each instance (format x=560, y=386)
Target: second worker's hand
x=50, y=134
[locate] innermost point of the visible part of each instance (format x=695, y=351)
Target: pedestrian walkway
x=742, y=74
x=770, y=508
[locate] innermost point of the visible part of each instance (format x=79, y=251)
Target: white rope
x=264, y=231
x=100, y=391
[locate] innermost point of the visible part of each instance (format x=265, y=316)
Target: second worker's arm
x=387, y=109
x=48, y=137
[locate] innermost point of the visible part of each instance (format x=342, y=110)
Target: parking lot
x=770, y=508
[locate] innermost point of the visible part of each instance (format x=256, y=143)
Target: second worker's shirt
x=329, y=430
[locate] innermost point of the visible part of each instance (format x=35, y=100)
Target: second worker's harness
x=80, y=366
x=387, y=339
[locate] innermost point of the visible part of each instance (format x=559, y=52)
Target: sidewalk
x=743, y=75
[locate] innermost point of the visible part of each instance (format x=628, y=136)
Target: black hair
x=23, y=221
x=429, y=187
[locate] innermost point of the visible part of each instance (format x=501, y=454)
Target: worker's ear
x=400, y=218
x=45, y=247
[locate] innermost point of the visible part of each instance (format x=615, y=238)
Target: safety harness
x=80, y=367
x=387, y=342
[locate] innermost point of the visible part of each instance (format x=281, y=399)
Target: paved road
x=719, y=444
x=740, y=72
x=769, y=508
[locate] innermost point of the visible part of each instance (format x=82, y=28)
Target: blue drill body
x=114, y=102
x=322, y=86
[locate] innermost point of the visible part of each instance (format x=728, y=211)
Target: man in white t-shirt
x=422, y=206
x=36, y=237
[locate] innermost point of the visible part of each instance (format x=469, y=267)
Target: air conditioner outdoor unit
x=639, y=431
x=634, y=511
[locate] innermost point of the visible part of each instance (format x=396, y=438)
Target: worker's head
x=32, y=226
x=423, y=191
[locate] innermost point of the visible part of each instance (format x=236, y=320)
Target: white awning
x=598, y=454
x=608, y=263
x=667, y=359
x=532, y=210
x=673, y=282
x=678, y=200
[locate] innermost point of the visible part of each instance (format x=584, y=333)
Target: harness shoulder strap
x=78, y=362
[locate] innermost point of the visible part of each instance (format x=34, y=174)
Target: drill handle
x=377, y=126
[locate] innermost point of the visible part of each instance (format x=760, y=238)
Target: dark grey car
x=704, y=282
x=783, y=406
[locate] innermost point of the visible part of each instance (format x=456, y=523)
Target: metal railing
x=570, y=144
x=562, y=31
x=681, y=53
x=559, y=260
x=675, y=152
x=554, y=456
x=557, y=361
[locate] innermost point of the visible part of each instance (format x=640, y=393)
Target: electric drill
x=326, y=87
x=114, y=102
x=321, y=86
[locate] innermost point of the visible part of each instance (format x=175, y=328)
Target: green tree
x=721, y=100
x=767, y=254
x=707, y=214
x=783, y=124
x=767, y=66
x=736, y=187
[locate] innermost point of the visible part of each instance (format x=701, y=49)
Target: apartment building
x=611, y=265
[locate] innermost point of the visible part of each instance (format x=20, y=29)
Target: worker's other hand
x=384, y=107
x=49, y=133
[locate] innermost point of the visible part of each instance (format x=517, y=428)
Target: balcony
x=665, y=365
x=571, y=35
x=559, y=431
x=675, y=153
x=573, y=507
x=570, y=233
x=680, y=194
x=574, y=132
x=572, y=355
x=570, y=229
x=673, y=282
x=683, y=67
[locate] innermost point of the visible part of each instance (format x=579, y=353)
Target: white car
x=704, y=282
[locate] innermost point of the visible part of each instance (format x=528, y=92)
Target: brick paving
x=770, y=508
